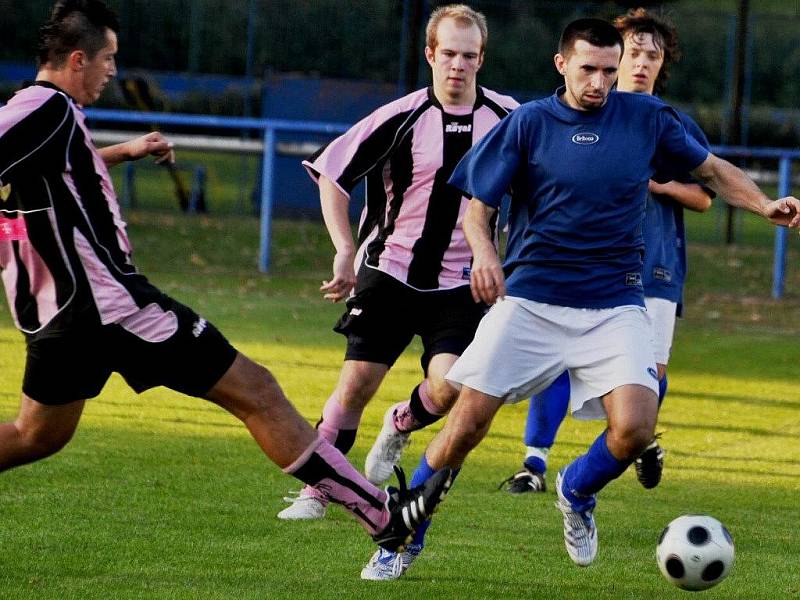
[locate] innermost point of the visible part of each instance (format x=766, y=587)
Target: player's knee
x=41, y=443
x=466, y=435
x=629, y=440
x=442, y=394
x=251, y=389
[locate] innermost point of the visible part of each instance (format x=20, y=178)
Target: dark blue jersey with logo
x=579, y=182
x=664, y=271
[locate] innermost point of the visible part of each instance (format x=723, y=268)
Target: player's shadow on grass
x=756, y=431
x=736, y=399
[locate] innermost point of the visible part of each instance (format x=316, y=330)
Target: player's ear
x=429, y=55
x=76, y=60
x=480, y=60
x=560, y=63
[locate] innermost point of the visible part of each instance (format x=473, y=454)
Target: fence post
x=197, y=197
x=781, y=233
x=267, y=177
x=128, y=196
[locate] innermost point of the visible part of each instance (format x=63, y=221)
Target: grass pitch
x=162, y=496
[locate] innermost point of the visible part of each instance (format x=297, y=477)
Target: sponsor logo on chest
x=456, y=127
x=585, y=139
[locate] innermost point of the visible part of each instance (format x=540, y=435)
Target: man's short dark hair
x=75, y=25
x=665, y=37
x=594, y=31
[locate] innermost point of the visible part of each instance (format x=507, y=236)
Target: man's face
x=455, y=61
x=589, y=74
x=97, y=71
x=641, y=62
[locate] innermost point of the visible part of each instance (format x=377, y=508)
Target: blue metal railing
x=785, y=158
x=269, y=128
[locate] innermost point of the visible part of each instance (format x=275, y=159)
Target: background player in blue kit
x=651, y=46
x=570, y=295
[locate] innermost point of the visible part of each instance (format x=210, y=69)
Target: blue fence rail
x=269, y=128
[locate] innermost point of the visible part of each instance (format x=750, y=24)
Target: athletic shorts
x=384, y=315
x=163, y=344
x=662, y=316
x=522, y=346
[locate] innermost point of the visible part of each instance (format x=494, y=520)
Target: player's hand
x=152, y=144
x=656, y=188
x=487, y=281
x=344, y=278
x=784, y=211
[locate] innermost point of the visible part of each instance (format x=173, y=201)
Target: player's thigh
x=662, y=314
x=168, y=344
x=611, y=348
x=516, y=352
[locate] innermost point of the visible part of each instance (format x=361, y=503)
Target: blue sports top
x=579, y=182
x=664, y=272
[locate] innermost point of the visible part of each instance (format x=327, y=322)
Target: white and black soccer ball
x=695, y=552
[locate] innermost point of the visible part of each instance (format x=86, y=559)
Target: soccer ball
x=695, y=552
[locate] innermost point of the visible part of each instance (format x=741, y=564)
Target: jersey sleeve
x=694, y=130
x=677, y=151
x=35, y=140
x=362, y=148
x=487, y=170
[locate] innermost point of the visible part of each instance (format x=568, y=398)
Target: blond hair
x=463, y=15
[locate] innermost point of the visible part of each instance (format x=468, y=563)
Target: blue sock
x=590, y=473
x=546, y=412
x=662, y=389
x=422, y=473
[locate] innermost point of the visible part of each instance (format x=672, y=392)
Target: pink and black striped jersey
x=411, y=225
x=64, y=252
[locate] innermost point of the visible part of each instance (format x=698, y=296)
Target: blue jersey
x=664, y=271
x=579, y=183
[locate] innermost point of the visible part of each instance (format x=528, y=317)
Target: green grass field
x=162, y=496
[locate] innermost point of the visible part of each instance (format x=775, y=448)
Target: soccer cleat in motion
x=386, y=565
x=303, y=506
x=650, y=464
x=580, y=532
x=408, y=508
x=523, y=482
x=386, y=451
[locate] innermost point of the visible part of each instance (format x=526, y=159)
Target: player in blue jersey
x=651, y=46
x=570, y=295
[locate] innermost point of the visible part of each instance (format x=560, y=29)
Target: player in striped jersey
x=410, y=265
x=86, y=311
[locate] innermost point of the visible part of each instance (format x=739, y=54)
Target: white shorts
x=521, y=346
x=662, y=316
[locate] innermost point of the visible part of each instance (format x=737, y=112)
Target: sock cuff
x=304, y=456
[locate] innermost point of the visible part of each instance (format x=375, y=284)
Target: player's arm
x=690, y=195
x=487, y=281
x=152, y=144
x=739, y=190
x=335, y=212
